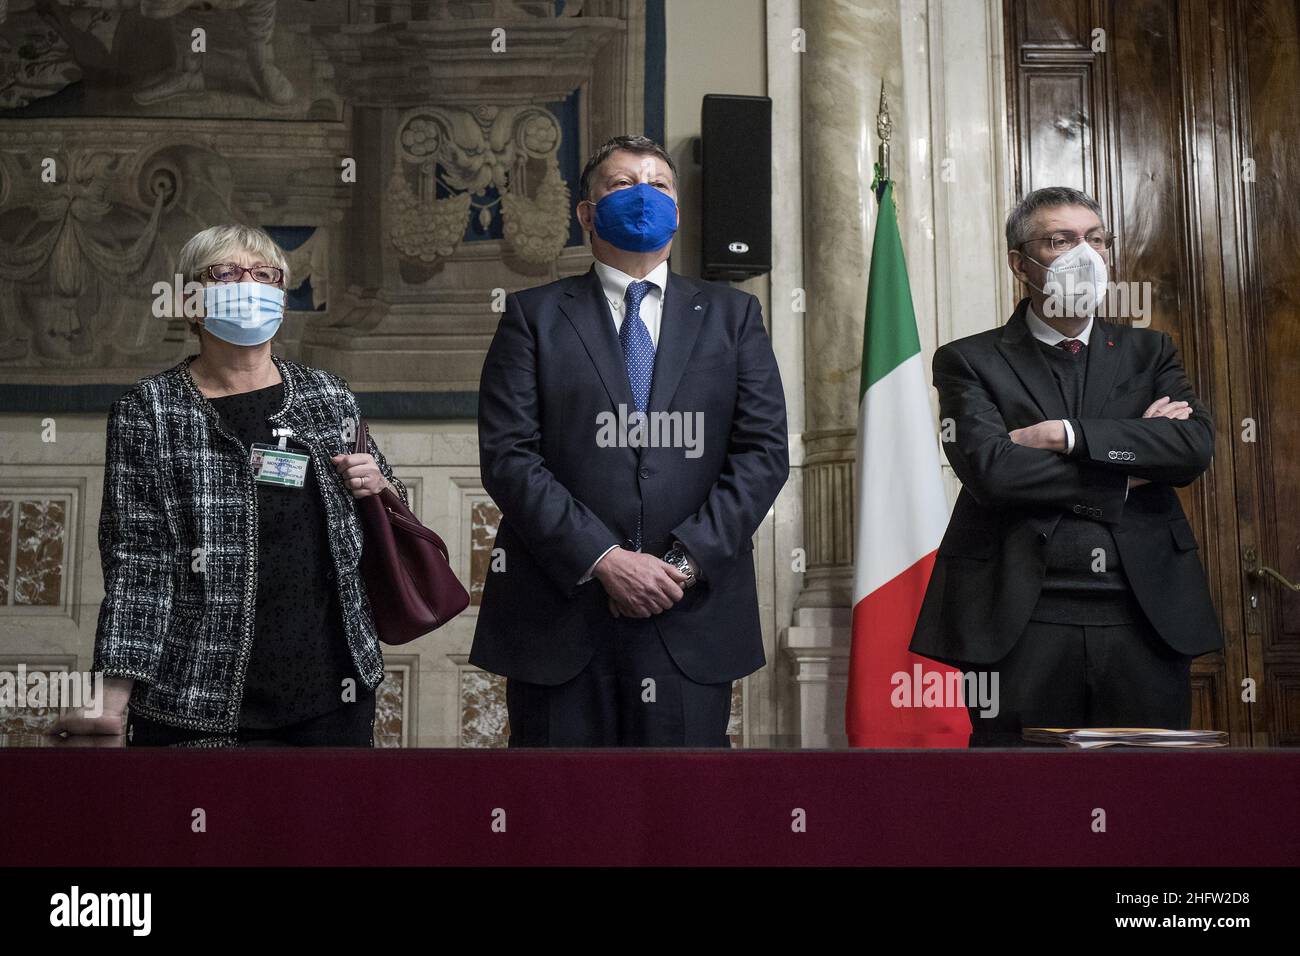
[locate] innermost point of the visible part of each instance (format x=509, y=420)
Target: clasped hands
x=638, y=585
x=1050, y=435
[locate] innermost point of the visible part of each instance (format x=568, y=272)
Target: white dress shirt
x=1050, y=336
x=614, y=284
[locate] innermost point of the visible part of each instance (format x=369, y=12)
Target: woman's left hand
x=360, y=474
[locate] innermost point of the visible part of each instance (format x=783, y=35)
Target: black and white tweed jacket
x=178, y=541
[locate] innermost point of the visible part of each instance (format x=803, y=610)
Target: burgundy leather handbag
x=408, y=578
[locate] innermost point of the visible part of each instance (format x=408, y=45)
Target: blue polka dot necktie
x=638, y=348
x=638, y=355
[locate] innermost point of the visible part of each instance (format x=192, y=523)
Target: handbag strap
x=363, y=443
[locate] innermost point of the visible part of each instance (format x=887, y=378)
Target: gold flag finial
x=884, y=127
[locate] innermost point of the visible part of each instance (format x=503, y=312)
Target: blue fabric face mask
x=637, y=219
x=243, y=313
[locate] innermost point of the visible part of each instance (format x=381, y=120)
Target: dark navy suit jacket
x=553, y=375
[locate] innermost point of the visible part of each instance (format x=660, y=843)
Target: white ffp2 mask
x=1075, y=283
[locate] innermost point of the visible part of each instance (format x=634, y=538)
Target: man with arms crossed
x=1068, y=566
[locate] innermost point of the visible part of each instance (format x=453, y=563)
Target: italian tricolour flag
x=901, y=517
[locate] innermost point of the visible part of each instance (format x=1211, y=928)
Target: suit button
x=629, y=543
x=1113, y=455
x=1078, y=509
x=1042, y=536
x=644, y=472
x=1132, y=456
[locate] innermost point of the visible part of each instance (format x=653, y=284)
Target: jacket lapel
x=683, y=313
x=292, y=413
x=585, y=306
x=1019, y=347
x=1103, y=361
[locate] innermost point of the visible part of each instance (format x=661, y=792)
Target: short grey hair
x=633, y=144
x=215, y=243
x=1050, y=197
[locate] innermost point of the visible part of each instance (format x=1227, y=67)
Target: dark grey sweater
x=1074, y=592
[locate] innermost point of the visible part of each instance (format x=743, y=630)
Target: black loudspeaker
x=736, y=156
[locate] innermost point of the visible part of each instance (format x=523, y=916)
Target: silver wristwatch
x=677, y=558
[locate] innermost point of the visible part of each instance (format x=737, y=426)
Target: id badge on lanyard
x=278, y=464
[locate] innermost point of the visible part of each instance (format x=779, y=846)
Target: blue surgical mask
x=243, y=313
x=637, y=219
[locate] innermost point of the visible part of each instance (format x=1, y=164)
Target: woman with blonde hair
x=234, y=611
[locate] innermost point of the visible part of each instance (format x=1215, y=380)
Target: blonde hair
x=216, y=243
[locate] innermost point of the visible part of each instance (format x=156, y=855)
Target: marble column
x=850, y=45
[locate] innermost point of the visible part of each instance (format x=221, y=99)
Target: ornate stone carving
x=79, y=256
x=548, y=57
x=129, y=57
x=257, y=20
x=466, y=153
x=73, y=246
x=35, y=58
x=405, y=135
x=536, y=227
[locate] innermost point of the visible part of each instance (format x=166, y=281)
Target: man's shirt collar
x=1048, y=335
x=614, y=283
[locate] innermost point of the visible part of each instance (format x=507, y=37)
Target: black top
x=300, y=654
x=1074, y=590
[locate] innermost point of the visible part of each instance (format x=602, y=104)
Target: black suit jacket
x=554, y=366
x=989, y=570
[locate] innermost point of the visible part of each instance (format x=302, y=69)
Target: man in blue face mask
x=632, y=430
